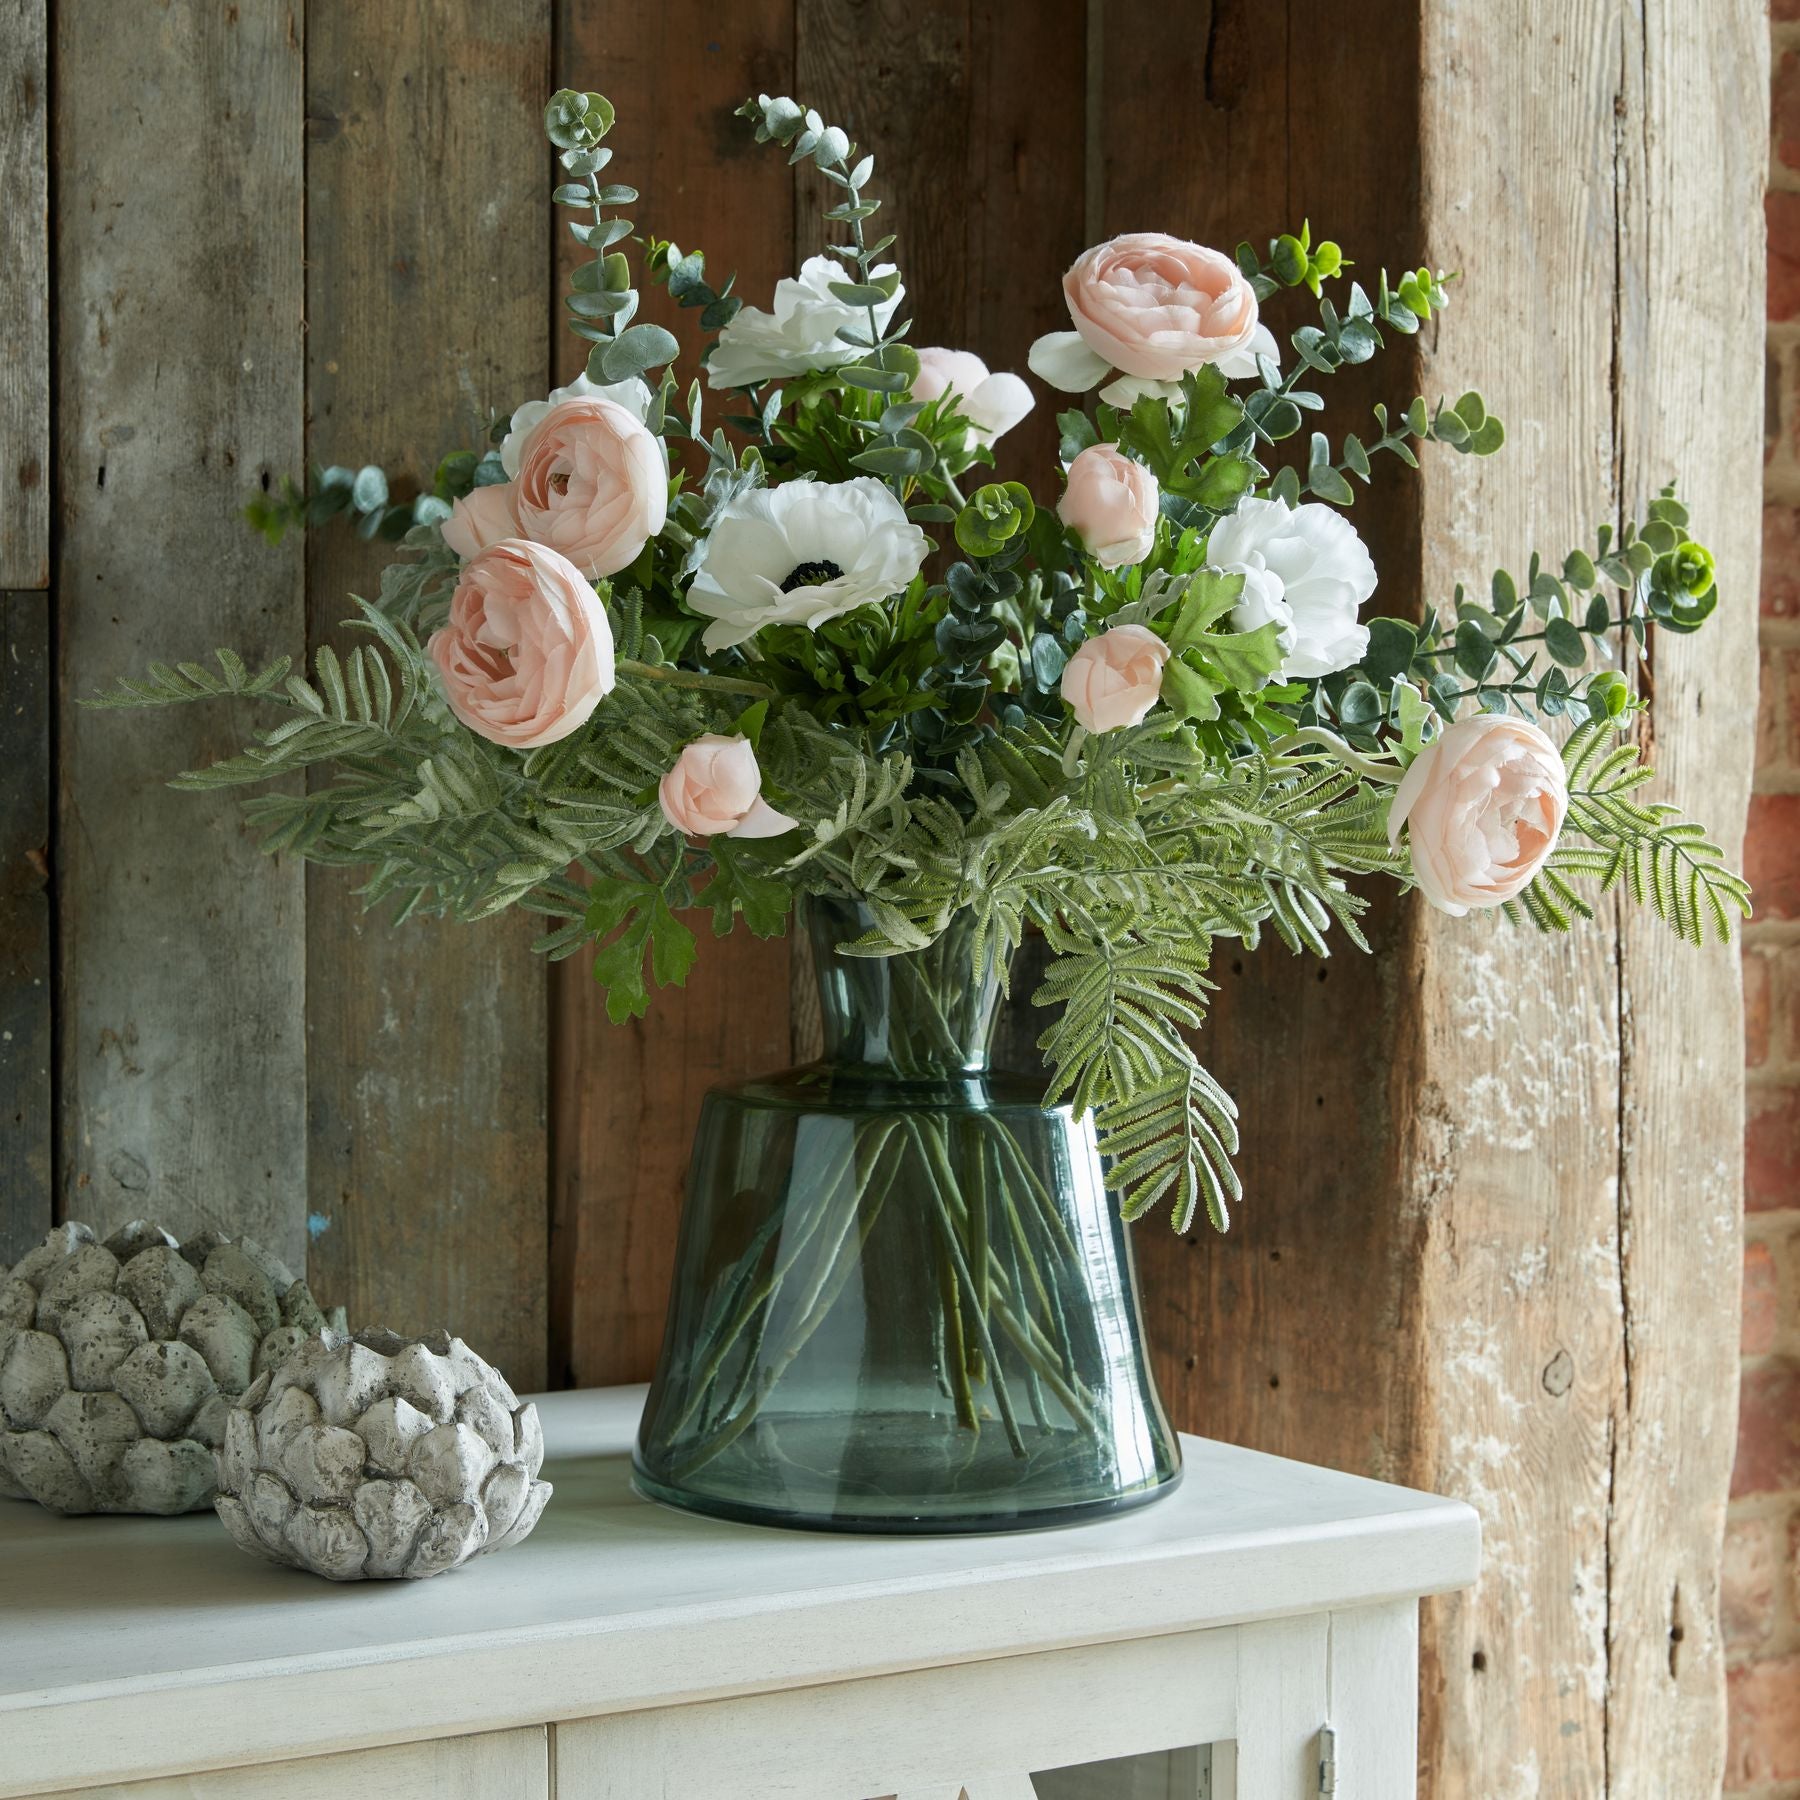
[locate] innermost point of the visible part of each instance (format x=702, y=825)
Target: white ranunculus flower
x=802, y=553
x=1308, y=562
x=1063, y=359
x=993, y=404
x=801, y=334
x=632, y=394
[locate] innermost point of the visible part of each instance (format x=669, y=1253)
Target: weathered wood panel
x=25, y=318
x=178, y=247
x=1691, y=286
x=980, y=159
x=26, y=982
x=1582, y=1154
x=1258, y=131
x=627, y=1097
x=427, y=278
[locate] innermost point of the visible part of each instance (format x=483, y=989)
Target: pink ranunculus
x=1157, y=306
x=1482, y=808
x=1114, y=679
x=1111, y=505
x=592, y=483
x=481, y=517
x=527, y=653
x=716, y=786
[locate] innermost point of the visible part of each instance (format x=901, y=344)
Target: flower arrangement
x=635, y=661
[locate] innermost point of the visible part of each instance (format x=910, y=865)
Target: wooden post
x=177, y=147
x=1490, y=1242
x=1579, y=1147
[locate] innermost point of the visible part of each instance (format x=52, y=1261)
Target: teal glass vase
x=903, y=1299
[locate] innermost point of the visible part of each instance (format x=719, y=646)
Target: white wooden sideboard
x=1252, y=1635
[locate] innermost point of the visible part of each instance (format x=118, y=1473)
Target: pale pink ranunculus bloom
x=1482, y=807
x=1110, y=503
x=1114, y=679
x=1151, y=306
x=715, y=786
x=992, y=403
x=481, y=517
x=527, y=652
x=592, y=484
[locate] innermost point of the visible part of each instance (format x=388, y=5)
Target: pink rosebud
x=527, y=653
x=1482, y=808
x=1157, y=306
x=1110, y=504
x=483, y=516
x=1114, y=679
x=993, y=404
x=592, y=483
x=716, y=786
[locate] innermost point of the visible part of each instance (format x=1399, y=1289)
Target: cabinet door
x=981, y=1729
x=494, y=1765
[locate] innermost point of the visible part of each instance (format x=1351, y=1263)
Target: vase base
x=919, y=1524
x=907, y=1473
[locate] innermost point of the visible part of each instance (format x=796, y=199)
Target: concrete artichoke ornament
x=119, y=1358
x=377, y=1457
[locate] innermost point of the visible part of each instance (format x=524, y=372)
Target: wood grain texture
x=25, y=318
x=26, y=974
x=1577, y=1146
x=1690, y=330
x=1249, y=1328
x=179, y=269
x=627, y=1098
x=427, y=278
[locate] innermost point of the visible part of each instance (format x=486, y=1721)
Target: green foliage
x=922, y=744
x=362, y=494
x=1668, y=863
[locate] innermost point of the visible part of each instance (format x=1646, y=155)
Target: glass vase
x=903, y=1299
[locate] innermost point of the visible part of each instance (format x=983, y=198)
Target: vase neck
x=927, y=1015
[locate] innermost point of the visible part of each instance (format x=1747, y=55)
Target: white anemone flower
x=1064, y=359
x=801, y=554
x=1305, y=568
x=801, y=334
x=632, y=394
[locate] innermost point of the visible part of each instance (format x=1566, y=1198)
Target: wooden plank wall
x=26, y=973
x=286, y=230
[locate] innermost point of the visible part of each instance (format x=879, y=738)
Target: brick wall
x=1761, y=1592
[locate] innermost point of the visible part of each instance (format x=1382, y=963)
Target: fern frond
x=177, y=684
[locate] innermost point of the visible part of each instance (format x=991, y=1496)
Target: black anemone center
x=812, y=574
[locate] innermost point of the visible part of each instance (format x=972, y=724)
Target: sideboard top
x=129, y=1646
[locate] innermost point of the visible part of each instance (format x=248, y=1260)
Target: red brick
x=1782, y=211
x=1762, y=1300
x=1772, y=854
x=1748, y=1575
x=1768, y=1447
x=1784, y=110
x=1756, y=1009
x=1763, y=1743
x=1772, y=1149
x=1781, y=562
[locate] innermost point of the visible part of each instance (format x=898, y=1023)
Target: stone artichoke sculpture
x=118, y=1360
x=379, y=1457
